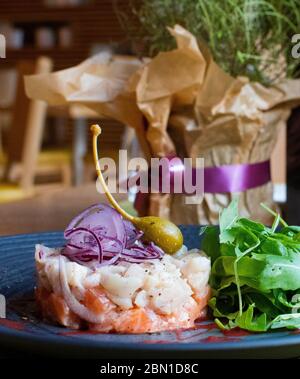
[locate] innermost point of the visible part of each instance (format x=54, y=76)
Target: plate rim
x=290, y=340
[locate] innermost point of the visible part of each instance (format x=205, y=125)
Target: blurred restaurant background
x=43, y=36
x=43, y=191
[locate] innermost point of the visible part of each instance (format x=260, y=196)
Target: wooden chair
x=23, y=156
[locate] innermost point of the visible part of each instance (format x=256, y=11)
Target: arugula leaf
x=247, y=321
x=210, y=243
x=281, y=272
x=264, y=302
x=275, y=246
x=290, y=301
x=291, y=231
x=220, y=311
x=289, y=321
x=229, y=215
x=252, y=225
x=255, y=274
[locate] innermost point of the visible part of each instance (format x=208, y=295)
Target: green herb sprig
x=246, y=37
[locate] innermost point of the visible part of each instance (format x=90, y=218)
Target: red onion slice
x=132, y=234
x=102, y=219
x=80, y=231
x=71, y=301
x=99, y=236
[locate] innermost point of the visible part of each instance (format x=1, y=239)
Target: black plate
x=23, y=330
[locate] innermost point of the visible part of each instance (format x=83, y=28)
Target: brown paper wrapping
x=192, y=108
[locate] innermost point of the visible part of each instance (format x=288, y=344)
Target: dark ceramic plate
x=23, y=331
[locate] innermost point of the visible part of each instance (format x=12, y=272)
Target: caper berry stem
x=96, y=130
x=162, y=232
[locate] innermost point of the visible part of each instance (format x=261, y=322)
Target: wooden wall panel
x=91, y=23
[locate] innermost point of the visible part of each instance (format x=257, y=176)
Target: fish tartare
x=107, y=279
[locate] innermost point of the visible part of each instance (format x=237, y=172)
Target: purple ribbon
x=223, y=179
x=236, y=178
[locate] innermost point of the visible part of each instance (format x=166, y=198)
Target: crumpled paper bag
x=192, y=109
x=195, y=109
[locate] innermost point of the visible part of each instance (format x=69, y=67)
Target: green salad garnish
x=255, y=276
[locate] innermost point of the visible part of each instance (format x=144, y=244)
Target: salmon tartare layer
x=153, y=296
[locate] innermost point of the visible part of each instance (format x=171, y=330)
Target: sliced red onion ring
x=132, y=234
x=75, y=306
x=102, y=219
x=139, y=254
x=104, y=255
x=99, y=236
x=80, y=231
